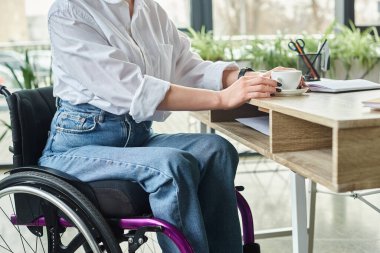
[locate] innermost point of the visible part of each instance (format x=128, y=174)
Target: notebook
x=373, y=103
x=336, y=86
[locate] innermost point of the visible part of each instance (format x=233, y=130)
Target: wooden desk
x=330, y=138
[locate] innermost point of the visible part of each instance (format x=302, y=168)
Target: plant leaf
x=3, y=135
x=14, y=75
x=5, y=124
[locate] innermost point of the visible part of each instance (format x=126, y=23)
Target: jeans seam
x=128, y=132
x=127, y=163
x=75, y=131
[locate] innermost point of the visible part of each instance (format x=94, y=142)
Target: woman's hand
x=246, y=88
x=302, y=84
x=268, y=74
x=181, y=98
x=230, y=76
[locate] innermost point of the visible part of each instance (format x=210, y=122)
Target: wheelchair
x=46, y=210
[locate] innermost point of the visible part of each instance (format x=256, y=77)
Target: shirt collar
x=138, y=3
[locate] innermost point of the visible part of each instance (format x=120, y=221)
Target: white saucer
x=297, y=92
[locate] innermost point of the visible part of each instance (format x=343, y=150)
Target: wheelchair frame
x=138, y=226
x=141, y=225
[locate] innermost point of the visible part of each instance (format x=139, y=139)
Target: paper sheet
x=260, y=124
x=329, y=85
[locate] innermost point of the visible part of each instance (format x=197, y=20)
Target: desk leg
x=313, y=198
x=299, y=214
x=204, y=129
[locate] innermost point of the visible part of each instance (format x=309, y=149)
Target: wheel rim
x=26, y=241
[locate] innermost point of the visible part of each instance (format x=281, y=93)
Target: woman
x=118, y=66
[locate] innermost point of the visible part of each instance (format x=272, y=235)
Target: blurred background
x=26, y=19
x=253, y=33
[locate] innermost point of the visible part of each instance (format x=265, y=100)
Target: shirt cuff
x=147, y=98
x=214, y=74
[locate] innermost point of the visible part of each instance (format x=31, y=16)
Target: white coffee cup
x=290, y=79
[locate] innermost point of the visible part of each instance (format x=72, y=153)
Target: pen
x=309, y=65
x=318, y=54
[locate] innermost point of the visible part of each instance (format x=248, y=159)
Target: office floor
x=343, y=224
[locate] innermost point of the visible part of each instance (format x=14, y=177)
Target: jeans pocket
x=76, y=122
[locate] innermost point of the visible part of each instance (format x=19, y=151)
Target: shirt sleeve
x=192, y=71
x=83, y=53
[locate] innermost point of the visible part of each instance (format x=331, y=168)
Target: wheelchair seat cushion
x=121, y=199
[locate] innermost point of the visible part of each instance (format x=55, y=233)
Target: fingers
x=259, y=80
x=259, y=85
x=252, y=74
x=267, y=74
x=253, y=95
x=259, y=95
x=279, y=68
x=262, y=88
x=302, y=84
x=256, y=87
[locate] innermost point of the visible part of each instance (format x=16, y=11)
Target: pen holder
x=315, y=60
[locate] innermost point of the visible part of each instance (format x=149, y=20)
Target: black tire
x=68, y=194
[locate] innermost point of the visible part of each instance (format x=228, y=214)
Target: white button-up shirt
x=120, y=64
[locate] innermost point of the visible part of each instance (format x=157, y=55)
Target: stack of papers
x=373, y=103
x=335, y=86
x=260, y=124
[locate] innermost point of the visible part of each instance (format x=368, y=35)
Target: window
x=367, y=13
x=36, y=12
x=178, y=11
x=241, y=17
x=26, y=20
x=13, y=21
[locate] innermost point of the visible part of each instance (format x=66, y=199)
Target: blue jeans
x=189, y=177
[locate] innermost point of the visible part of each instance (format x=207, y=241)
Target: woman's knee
x=217, y=145
x=180, y=164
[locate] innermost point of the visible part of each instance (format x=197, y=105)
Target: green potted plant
x=270, y=53
x=267, y=54
x=354, y=53
x=27, y=80
x=206, y=46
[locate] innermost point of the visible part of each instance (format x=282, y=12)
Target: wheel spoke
x=5, y=248
x=26, y=229
x=36, y=243
x=9, y=249
x=22, y=238
x=42, y=245
x=75, y=244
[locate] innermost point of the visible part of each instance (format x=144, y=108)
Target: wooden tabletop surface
x=336, y=143
x=343, y=110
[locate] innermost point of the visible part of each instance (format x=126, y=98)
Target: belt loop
x=101, y=116
x=58, y=102
x=126, y=119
